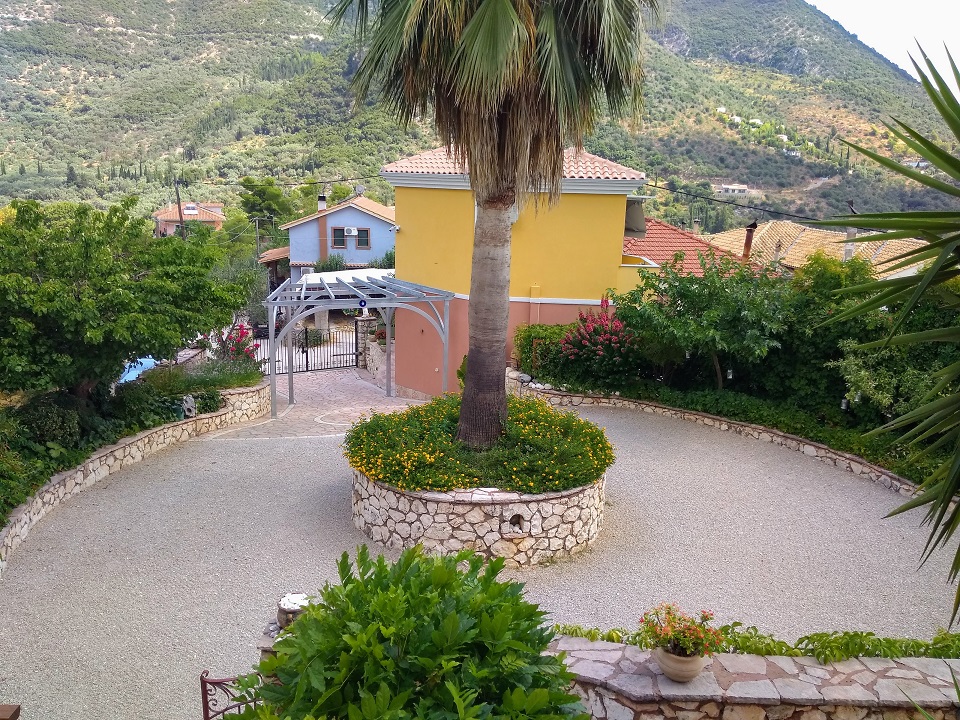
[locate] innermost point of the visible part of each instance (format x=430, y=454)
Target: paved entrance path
x=122, y=596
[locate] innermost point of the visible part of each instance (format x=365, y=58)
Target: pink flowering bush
x=235, y=345
x=600, y=348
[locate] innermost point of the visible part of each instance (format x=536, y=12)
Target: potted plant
x=681, y=642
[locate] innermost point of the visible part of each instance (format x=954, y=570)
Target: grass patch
x=543, y=449
x=212, y=375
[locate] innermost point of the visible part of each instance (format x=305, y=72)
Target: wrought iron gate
x=316, y=350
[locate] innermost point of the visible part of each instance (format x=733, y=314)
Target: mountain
x=103, y=98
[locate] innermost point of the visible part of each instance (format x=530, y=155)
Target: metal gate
x=316, y=350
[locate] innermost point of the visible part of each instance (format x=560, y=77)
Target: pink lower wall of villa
x=419, y=351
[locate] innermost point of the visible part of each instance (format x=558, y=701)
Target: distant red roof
x=204, y=212
x=576, y=166
x=662, y=241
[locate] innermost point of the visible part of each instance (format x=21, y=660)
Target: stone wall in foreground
x=622, y=682
x=524, y=529
x=521, y=384
x=241, y=404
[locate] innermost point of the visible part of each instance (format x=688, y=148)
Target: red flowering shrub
x=686, y=635
x=600, y=348
x=235, y=345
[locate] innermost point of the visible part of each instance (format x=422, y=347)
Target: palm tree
x=509, y=84
x=935, y=426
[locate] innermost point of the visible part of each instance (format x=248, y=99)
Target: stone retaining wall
x=844, y=461
x=241, y=404
x=524, y=529
x=622, y=682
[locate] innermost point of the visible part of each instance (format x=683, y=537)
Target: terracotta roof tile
x=793, y=244
x=206, y=212
x=662, y=241
x=576, y=165
x=275, y=254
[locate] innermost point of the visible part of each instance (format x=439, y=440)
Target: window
x=339, y=239
x=363, y=238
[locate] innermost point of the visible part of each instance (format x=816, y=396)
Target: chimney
x=748, y=241
x=696, y=226
x=321, y=202
x=849, y=248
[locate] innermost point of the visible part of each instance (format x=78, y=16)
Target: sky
x=890, y=26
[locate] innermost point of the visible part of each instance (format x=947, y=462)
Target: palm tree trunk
x=483, y=410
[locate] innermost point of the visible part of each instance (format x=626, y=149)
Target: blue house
x=359, y=229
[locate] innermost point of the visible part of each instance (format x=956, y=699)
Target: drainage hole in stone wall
x=517, y=521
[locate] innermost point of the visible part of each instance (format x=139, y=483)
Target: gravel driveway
x=121, y=597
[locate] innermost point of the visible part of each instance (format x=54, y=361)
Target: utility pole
x=257, y=224
x=183, y=225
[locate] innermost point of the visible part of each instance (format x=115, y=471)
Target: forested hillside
x=100, y=99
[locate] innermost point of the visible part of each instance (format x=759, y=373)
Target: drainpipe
x=748, y=241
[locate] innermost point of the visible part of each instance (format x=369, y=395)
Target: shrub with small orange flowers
x=542, y=450
x=665, y=626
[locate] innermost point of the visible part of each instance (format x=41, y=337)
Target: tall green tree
x=730, y=312
x=84, y=291
x=509, y=84
x=263, y=198
x=935, y=425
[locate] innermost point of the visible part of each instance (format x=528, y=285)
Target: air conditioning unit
x=350, y=232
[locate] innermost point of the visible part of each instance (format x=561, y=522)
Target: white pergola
x=378, y=291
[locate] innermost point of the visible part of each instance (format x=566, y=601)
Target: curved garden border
x=242, y=404
x=522, y=529
x=844, y=461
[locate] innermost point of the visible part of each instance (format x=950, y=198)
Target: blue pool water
x=137, y=368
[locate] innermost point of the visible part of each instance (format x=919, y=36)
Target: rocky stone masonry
x=622, y=682
x=522, y=384
x=242, y=404
x=524, y=529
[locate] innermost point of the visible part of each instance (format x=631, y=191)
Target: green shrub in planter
x=542, y=450
x=425, y=637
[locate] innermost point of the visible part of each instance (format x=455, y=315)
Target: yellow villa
x=564, y=257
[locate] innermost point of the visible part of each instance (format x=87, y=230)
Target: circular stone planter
x=523, y=529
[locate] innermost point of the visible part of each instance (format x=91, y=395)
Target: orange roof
x=276, y=254
x=204, y=212
x=793, y=244
x=662, y=241
x=576, y=165
x=360, y=202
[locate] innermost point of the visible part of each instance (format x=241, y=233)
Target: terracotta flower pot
x=677, y=668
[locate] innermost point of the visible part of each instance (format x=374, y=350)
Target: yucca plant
x=935, y=425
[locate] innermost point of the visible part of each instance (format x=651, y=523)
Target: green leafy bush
x=179, y=380
x=425, y=637
x=543, y=449
x=44, y=420
x=538, y=350
x=140, y=405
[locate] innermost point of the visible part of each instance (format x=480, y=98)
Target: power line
x=264, y=183
x=729, y=202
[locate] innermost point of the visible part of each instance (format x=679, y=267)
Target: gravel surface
x=122, y=596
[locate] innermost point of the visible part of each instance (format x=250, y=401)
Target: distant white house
x=737, y=189
x=721, y=109
x=736, y=119
x=783, y=138
x=756, y=121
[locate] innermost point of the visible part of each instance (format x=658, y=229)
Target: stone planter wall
x=376, y=357
x=520, y=384
x=622, y=682
x=524, y=529
x=241, y=404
